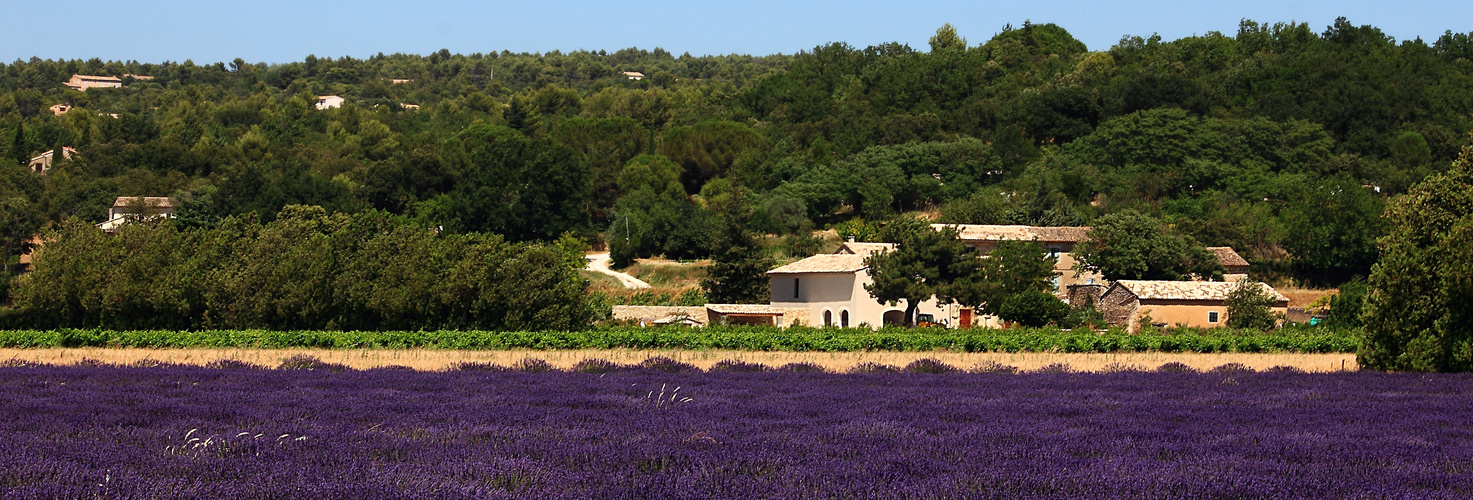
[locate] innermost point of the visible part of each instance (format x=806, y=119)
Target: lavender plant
x=192, y=432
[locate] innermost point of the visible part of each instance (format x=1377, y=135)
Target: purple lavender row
x=188, y=432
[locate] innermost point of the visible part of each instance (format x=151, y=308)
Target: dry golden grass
x=668, y=274
x=1303, y=297
x=425, y=359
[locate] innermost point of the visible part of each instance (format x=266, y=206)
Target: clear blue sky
x=281, y=31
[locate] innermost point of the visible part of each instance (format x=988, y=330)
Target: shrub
x=1346, y=306
x=738, y=366
x=305, y=362
x=1120, y=368
x=1055, y=368
x=803, y=367
x=1248, y=307
x=20, y=363
x=1231, y=368
x=597, y=366
x=993, y=367
x=154, y=363
x=532, y=365
x=1175, y=367
x=929, y=365
x=869, y=367
x=471, y=366
x=232, y=364
x=1034, y=308
x=667, y=365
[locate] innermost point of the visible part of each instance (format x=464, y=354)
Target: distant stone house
x=60, y=109
x=633, y=75
x=42, y=163
x=127, y=209
x=1235, y=267
x=1057, y=241
x=329, y=101
x=1174, y=303
x=396, y=81
x=84, y=82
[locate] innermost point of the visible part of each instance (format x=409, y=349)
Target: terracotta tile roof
x=150, y=201
x=1188, y=290
x=862, y=248
x=1228, y=257
x=824, y=263
x=744, y=309
x=988, y=232
x=634, y=73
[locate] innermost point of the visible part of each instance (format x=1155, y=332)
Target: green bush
x=305, y=270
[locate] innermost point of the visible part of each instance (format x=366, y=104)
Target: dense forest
x=1280, y=141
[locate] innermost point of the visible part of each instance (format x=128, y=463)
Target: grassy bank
x=734, y=338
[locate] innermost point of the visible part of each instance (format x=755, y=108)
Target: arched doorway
x=894, y=317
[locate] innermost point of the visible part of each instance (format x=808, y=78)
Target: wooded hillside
x=1280, y=141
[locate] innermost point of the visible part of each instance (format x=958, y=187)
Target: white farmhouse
x=329, y=101
x=830, y=287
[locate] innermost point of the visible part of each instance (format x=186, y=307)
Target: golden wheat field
x=430, y=359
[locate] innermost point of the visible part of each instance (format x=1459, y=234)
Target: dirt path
x=599, y=263
x=429, y=359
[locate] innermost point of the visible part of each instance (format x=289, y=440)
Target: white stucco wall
x=839, y=292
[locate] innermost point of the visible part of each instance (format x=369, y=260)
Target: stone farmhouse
x=828, y=289
x=633, y=75
x=1174, y=303
x=127, y=209
x=1235, y=267
x=1057, y=241
x=84, y=82
x=42, y=163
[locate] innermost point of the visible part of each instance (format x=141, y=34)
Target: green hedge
x=743, y=338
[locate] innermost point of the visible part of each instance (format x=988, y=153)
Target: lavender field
x=183, y=432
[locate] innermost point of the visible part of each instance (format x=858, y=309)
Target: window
x=1055, y=251
x=844, y=319
x=828, y=318
x=1091, y=281
x=795, y=288
x=1055, y=282
x=1212, y=316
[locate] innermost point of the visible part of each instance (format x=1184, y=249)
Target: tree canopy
x=1417, y=313
x=1132, y=246
x=1258, y=139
